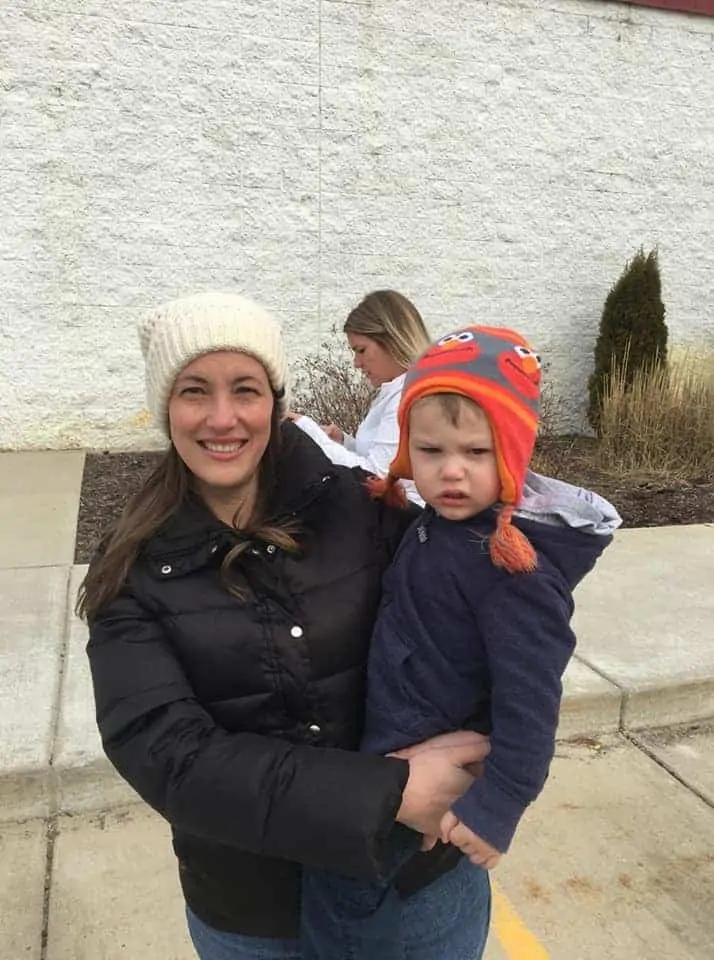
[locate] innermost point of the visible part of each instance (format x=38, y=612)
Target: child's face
x=453, y=464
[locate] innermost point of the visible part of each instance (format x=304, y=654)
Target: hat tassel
x=510, y=548
x=387, y=489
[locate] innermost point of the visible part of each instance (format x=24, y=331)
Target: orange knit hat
x=498, y=370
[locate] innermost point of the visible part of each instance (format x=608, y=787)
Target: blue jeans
x=351, y=919
x=213, y=944
x=448, y=920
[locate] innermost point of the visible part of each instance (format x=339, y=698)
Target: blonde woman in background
x=386, y=334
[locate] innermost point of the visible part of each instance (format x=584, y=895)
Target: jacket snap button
x=214, y=548
x=166, y=568
x=296, y=632
x=270, y=548
x=315, y=728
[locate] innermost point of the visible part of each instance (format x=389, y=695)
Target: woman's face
x=373, y=360
x=220, y=413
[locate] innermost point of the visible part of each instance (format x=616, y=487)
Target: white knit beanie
x=175, y=333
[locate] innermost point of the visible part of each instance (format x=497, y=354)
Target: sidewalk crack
x=53, y=785
x=648, y=752
x=49, y=865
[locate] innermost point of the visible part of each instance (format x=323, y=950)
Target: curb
x=94, y=786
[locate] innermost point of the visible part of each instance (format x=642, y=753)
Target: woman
x=230, y=612
x=386, y=334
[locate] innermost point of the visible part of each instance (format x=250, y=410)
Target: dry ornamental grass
x=662, y=424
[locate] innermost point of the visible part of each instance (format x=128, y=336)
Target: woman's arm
x=376, y=460
x=330, y=808
x=325, y=807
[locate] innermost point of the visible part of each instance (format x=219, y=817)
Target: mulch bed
x=110, y=479
x=642, y=501
x=108, y=482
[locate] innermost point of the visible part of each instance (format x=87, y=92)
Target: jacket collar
x=303, y=475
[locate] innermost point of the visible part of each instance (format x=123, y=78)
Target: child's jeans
x=345, y=919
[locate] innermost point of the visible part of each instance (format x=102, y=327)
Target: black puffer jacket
x=224, y=713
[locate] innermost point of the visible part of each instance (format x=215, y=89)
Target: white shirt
x=375, y=444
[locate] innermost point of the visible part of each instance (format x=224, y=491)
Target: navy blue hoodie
x=460, y=643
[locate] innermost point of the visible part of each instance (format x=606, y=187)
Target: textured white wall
x=497, y=161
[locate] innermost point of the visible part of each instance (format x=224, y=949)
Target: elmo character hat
x=498, y=370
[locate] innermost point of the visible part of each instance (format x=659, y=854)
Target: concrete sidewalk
x=614, y=861
x=645, y=624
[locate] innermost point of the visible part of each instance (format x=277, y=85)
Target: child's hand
x=479, y=852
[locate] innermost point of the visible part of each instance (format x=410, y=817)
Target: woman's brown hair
x=167, y=488
x=392, y=320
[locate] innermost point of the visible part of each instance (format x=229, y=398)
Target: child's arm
x=528, y=642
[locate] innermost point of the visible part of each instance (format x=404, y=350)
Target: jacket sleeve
x=526, y=632
x=380, y=454
x=325, y=807
x=376, y=460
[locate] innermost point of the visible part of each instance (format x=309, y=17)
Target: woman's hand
x=447, y=740
x=437, y=779
x=333, y=432
x=459, y=738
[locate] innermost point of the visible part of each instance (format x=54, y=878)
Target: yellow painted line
x=515, y=938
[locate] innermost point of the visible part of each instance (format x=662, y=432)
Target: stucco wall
x=497, y=161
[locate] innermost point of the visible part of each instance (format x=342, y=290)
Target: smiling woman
x=230, y=612
x=220, y=422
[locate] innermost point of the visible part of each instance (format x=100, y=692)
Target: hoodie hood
x=571, y=526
